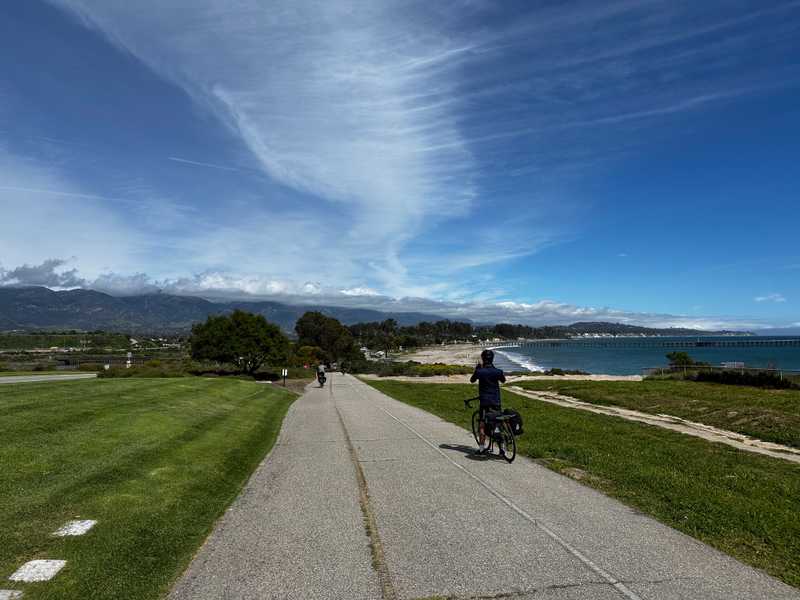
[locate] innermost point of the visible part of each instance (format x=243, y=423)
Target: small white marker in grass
x=74, y=528
x=38, y=570
x=10, y=594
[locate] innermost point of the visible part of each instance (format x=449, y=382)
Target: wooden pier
x=621, y=342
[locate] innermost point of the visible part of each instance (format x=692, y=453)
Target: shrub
x=762, y=379
x=142, y=371
x=409, y=368
x=439, y=369
x=556, y=371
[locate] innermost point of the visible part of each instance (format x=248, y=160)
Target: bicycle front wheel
x=508, y=442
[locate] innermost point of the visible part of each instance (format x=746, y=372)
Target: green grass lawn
x=154, y=461
x=771, y=415
x=743, y=504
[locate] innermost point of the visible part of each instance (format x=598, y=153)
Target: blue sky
x=525, y=161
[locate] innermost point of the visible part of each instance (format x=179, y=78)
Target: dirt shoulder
x=701, y=430
x=465, y=378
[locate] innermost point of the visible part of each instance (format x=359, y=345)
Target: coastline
x=469, y=354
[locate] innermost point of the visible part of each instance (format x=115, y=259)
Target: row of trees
x=249, y=342
x=388, y=335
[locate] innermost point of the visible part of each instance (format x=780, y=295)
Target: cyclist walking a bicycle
x=489, y=379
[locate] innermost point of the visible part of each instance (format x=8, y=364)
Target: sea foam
x=519, y=360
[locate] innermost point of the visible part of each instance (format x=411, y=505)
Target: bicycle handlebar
x=469, y=400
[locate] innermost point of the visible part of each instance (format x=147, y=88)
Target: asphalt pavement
x=448, y=524
x=45, y=378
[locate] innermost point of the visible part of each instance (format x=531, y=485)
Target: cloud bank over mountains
x=55, y=274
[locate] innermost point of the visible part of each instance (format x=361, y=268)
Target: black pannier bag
x=515, y=421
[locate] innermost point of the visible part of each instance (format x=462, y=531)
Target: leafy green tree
x=242, y=339
x=307, y=355
x=680, y=359
x=327, y=333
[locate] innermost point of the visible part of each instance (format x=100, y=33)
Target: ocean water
x=628, y=356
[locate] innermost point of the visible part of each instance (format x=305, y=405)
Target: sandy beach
x=453, y=354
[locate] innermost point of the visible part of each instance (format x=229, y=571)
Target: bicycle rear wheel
x=476, y=423
x=507, y=442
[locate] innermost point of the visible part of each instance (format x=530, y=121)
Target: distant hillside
x=36, y=308
x=620, y=329
x=508, y=331
x=39, y=308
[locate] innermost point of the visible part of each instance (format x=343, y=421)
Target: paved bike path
x=296, y=531
x=449, y=525
x=45, y=378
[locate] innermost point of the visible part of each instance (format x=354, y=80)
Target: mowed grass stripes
x=155, y=462
x=744, y=504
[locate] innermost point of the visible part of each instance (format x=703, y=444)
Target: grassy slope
x=744, y=504
x=154, y=461
x=771, y=415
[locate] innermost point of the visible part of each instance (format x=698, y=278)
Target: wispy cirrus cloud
x=778, y=298
x=393, y=150
x=327, y=97
x=400, y=116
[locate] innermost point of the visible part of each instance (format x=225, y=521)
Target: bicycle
x=497, y=429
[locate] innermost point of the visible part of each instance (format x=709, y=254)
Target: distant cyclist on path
x=489, y=379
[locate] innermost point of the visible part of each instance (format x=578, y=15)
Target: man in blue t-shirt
x=489, y=379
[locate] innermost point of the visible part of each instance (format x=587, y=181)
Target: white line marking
x=618, y=585
x=10, y=594
x=38, y=570
x=75, y=528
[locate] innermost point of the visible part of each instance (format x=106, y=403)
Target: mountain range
x=38, y=308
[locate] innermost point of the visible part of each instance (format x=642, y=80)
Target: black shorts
x=488, y=409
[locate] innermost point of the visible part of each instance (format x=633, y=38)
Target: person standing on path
x=489, y=379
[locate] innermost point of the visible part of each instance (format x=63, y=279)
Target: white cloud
x=770, y=298
x=45, y=214
x=50, y=274
x=359, y=291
